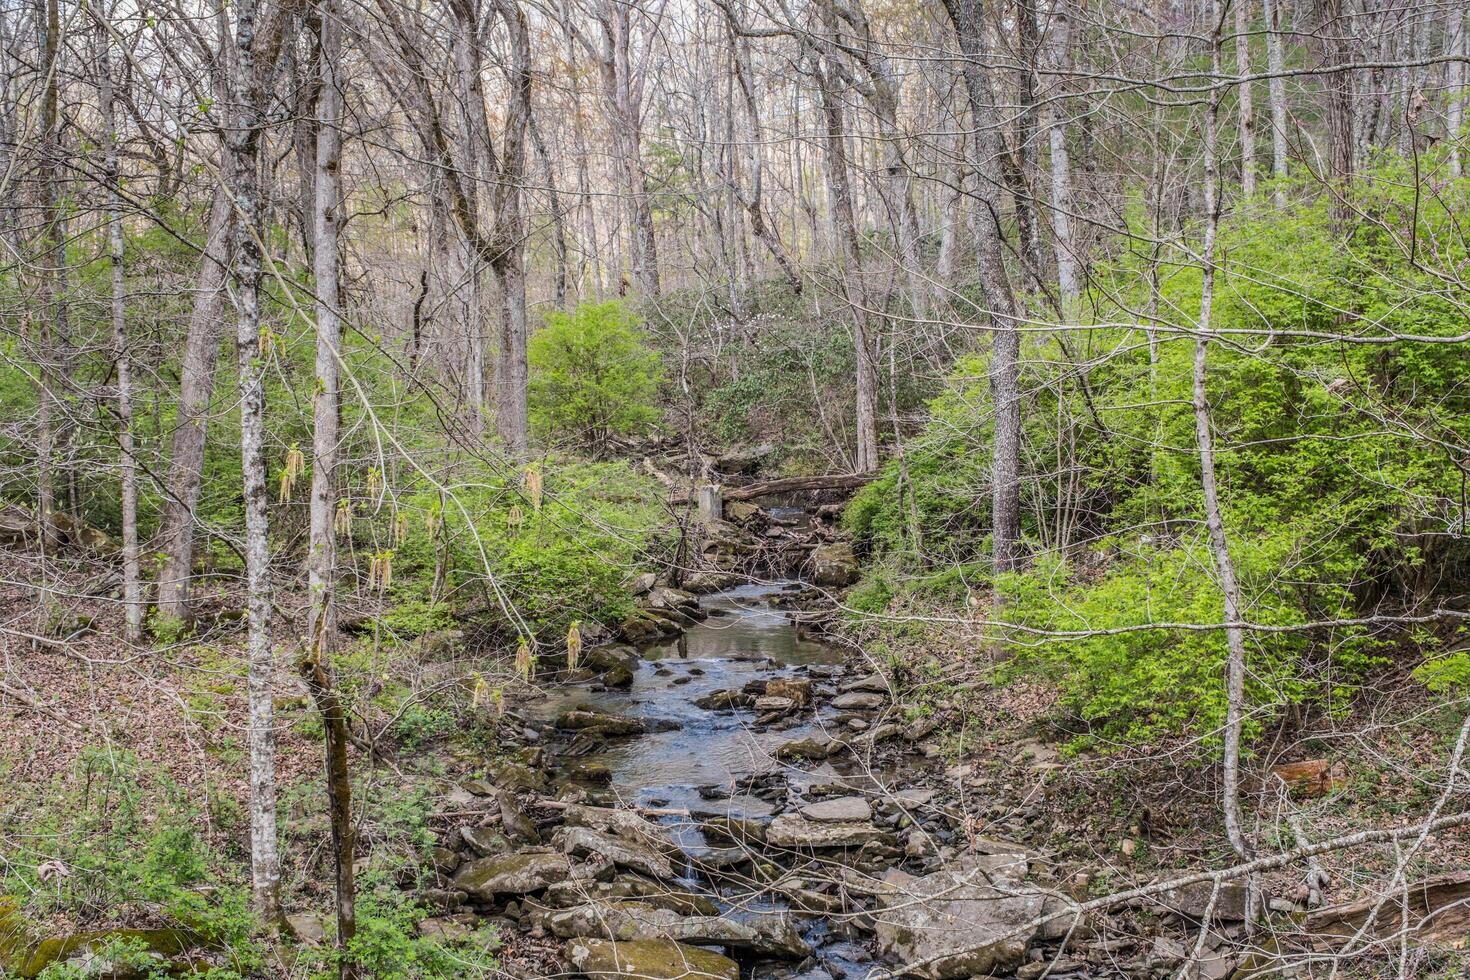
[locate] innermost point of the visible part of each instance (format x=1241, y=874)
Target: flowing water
x=693, y=772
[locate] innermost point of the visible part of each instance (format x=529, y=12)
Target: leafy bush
x=593, y=376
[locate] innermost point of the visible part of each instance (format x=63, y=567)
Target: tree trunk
x=507, y=264
x=844, y=231
x=1276, y=90
x=326, y=408
x=244, y=150
x=1341, y=119
x=191, y=421
x=1458, y=40
x=1245, y=106
x=1224, y=566
x=128, y=464
x=625, y=117
x=53, y=314
x=339, y=806
x=967, y=17
x=558, y=216
x=1069, y=268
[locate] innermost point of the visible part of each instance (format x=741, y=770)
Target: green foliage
x=122, y=846
x=531, y=570
x=1334, y=502
x=593, y=376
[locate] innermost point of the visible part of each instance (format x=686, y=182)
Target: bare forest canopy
x=1127, y=342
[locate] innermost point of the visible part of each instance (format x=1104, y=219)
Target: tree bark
x=844, y=231
x=326, y=408
x=1458, y=39
x=967, y=16
x=1224, y=565
x=244, y=145
x=339, y=807
x=127, y=462
x=1069, y=268
x=1245, y=107
x=1276, y=91
x=53, y=315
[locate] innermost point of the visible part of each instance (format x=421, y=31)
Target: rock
x=484, y=841
x=798, y=689
x=834, y=565
x=723, y=700
x=743, y=459
x=445, y=861
x=779, y=705
x=642, y=584
x=858, y=701
x=703, y=583
x=515, y=821
x=585, y=841
x=1058, y=967
x=794, y=830
x=872, y=682
x=585, y=718
x=641, y=627
x=802, y=748
x=765, y=935
x=618, y=677
x=477, y=787
x=1190, y=901
x=650, y=959
x=952, y=922
x=572, y=893
x=622, y=823
x=307, y=928
x=518, y=778
x=448, y=899
x=742, y=511
x=842, y=809
x=738, y=830
x=512, y=874
x=666, y=598
x=449, y=928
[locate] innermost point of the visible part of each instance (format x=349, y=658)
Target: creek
x=695, y=770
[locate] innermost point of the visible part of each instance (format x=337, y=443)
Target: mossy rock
x=648, y=959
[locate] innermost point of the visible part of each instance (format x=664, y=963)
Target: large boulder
x=954, y=924
x=798, y=689
x=512, y=874
x=647, y=959
x=795, y=830
x=844, y=809
x=767, y=935
x=585, y=718
x=586, y=842
x=834, y=565
x=569, y=894
x=622, y=823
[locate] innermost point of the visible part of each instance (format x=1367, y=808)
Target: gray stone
x=512, y=874
x=834, y=565
x=649, y=959
x=872, y=682
x=802, y=748
x=842, y=809
x=484, y=841
x=308, y=928
x=953, y=923
x=624, y=853
x=858, y=701
x=794, y=830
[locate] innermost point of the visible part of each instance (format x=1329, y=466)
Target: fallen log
x=791, y=484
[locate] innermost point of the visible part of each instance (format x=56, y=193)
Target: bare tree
x=253, y=345
x=123, y=364
x=1276, y=89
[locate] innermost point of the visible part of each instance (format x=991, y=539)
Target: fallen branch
x=792, y=484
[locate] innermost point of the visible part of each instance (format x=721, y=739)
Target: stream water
x=694, y=771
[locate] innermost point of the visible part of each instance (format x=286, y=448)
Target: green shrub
x=593, y=377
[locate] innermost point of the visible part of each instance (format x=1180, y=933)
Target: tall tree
x=1276, y=92
x=1245, y=115
x=252, y=346
x=968, y=19
x=326, y=435
x=122, y=357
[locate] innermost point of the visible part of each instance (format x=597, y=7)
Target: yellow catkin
x=400, y=528
x=534, y=487
x=574, y=645
x=291, y=470
x=343, y=519
x=524, y=661
x=515, y=517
